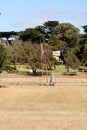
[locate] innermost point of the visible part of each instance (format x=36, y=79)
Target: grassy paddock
x=43, y=99
x=27, y=105
x=27, y=93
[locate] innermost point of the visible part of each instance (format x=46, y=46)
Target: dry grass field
x=30, y=103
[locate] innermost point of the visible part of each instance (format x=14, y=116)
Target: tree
x=2, y=58
x=38, y=34
x=35, y=35
x=8, y=35
x=68, y=37
x=47, y=58
x=30, y=54
x=15, y=54
x=49, y=30
x=33, y=56
x=82, y=51
x=71, y=61
x=82, y=55
x=85, y=28
x=50, y=25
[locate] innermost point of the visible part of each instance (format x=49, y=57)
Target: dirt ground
x=30, y=103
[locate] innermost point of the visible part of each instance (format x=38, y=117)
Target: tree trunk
x=83, y=67
x=34, y=71
x=67, y=70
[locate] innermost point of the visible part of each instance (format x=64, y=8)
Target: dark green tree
x=68, y=43
x=8, y=35
x=71, y=61
x=35, y=35
x=2, y=58
x=85, y=28
x=82, y=54
x=50, y=25
x=49, y=30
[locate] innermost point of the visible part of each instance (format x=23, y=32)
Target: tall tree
x=35, y=35
x=49, y=30
x=34, y=58
x=50, y=25
x=83, y=47
x=2, y=58
x=68, y=37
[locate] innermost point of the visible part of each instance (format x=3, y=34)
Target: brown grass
x=30, y=103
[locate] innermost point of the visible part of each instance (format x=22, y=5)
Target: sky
x=17, y=15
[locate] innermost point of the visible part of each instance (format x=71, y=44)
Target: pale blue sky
x=17, y=15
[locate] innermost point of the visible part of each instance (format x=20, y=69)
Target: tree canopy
x=2, y=58
x=64, y=37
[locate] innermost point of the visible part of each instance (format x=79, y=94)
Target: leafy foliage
x=64, y=37
x=68, y=37
x=2, y=58
x=35, y=35
x=82, y=54
x=8, y=35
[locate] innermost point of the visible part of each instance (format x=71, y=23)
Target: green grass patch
x=60, y=69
